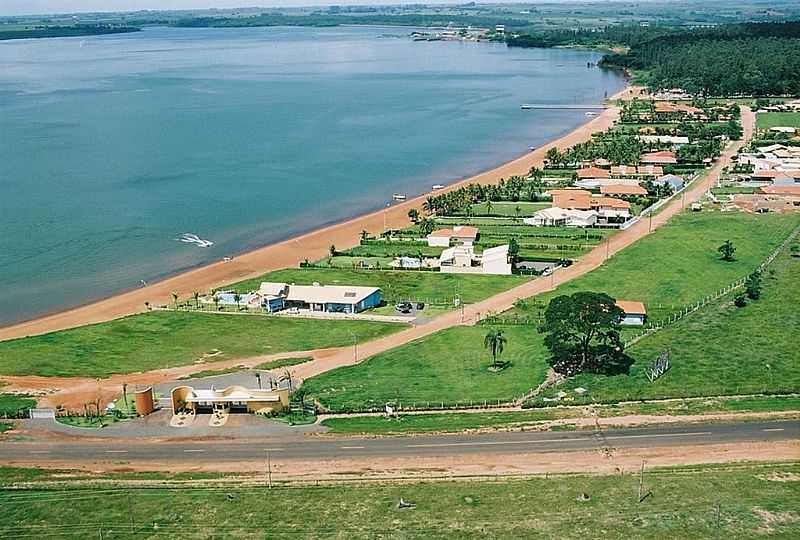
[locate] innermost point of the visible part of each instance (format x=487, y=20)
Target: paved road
x=309, y=448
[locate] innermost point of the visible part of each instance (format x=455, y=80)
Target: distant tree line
x=328, y=19
x=65, y=31
x=740, y=59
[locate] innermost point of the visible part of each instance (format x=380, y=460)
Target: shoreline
x=290, y=252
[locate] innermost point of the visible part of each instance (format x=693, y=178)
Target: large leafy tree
x=583, y=334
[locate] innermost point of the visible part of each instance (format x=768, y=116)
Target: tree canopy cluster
x=743, y=59
x=515, y=188
x=583, y=335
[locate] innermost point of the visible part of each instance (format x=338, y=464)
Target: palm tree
x=332, y=250
x=489, y=207
x=237, y=298
x=364, y=236
x=147, y=306
x=215, y=299
x=196, y=296
x=495, y=341
x=413, y=215
x=517, y=211
x=175, y=298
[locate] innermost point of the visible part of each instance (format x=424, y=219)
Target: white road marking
x=489, y=443
x=351, y=447
x=40, y=451
x=274, y=449
x=774, y=429
x=116, y=451
x=536, y=441
x=194, y=450
x=693, y=434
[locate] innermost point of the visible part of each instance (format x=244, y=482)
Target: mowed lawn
x=396, y=285
x=449, y=366
x=721, y=349
x=165, y=339
x=679, y=264
x=775, y=119
x=713, y=501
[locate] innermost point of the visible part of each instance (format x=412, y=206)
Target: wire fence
x=684, y=311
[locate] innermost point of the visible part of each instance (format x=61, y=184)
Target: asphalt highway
x=331, y=448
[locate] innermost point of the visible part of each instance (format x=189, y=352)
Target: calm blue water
x=111, y=147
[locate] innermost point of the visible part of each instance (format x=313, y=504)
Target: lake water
x=112, y=147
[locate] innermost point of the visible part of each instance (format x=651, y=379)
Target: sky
x=38, y=7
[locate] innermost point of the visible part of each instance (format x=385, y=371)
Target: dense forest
x=625, y=35
x=742, y=59
x=65, y=31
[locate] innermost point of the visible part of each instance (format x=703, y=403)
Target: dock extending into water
x=556, y=106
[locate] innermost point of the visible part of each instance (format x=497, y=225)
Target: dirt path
x=290, y=253
x=73, y=392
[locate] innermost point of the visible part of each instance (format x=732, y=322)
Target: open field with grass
x=678, y=264
x=455, y=422
x=774, y=119
x=397, y=285
x=449, y=366
x=741, y=501
x=721, y=349
x=165, y=339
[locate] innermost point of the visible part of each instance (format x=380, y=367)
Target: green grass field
x=721, y=349
x=396, y=285
x=164, y=339
x=676, y=265
x=717, y=501
x=774, y=119
x=449, y=366
x=679, y=264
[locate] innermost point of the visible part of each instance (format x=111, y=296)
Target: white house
x=635, y=313
x=677, y=142
x=495, y=261
x=463, y=260
x=561, y=217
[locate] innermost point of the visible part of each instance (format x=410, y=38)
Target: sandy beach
x=289, y=253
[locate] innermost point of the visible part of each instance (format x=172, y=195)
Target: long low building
x=232, y=399
x=274, y=297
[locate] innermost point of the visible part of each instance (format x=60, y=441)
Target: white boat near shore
x=399, y=197
x=191, y=238
x=437, y=186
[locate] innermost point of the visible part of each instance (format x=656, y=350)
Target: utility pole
x=130, y=511
x=650, y=226
x=269, y=471
x=641, y=481
x=608, y=243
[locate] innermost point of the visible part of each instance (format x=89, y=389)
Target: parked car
x=420, y=306
x=404, y=307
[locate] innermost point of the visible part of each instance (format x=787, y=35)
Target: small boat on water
x=590, y=113
x=399, y=197
x=437, y=186
x=191, y=238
